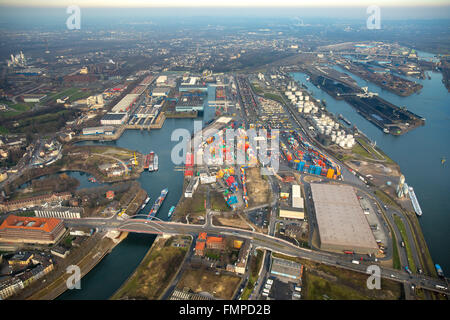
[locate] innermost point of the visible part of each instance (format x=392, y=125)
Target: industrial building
x=289, y=270
x=31, y=230
x=126, y=102
x=114, y=119
x=292, y=214
x=108, y=130
x=188, y=103
x=341, y=221
x=192, y=186
x=160, y=92
x=297, y=210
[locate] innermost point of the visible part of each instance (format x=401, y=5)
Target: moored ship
x=155, y=163
x=415, y=202
x=158, y=203
x=145, y=202
x=147, y=161
x=151, y=161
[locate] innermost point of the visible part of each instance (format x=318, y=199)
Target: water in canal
x=115, y=268
x=418, y=152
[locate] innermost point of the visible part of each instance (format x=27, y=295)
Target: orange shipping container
x=330, y=173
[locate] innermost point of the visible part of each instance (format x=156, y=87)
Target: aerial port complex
x=275, y=195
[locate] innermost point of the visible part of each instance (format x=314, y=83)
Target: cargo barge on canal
x=158, y=204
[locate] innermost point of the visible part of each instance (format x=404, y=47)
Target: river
x=418, y=152
x=102, y=281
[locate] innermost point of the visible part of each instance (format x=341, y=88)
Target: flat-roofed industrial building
x=126, y=102
x=341, y=221
x=114, y=119
x=286, y=269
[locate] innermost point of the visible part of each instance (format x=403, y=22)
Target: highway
x=259, y=240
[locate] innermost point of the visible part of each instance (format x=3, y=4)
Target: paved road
x=259, y=240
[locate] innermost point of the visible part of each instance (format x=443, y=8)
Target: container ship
x=145, y=202
x=158, y=203
x=171, y=210
x=414, y=201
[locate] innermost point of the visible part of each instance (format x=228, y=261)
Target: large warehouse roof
x=340, y=218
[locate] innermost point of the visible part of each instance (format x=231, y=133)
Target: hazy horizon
x=13, y=13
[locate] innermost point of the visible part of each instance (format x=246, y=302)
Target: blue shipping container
x=318, y=170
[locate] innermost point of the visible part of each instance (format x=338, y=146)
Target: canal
x=116, y=267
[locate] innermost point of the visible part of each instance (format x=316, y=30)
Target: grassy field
x=217, y=202
x=18, y=108
x=200, y=280
x=154, y=273
x=386, y=199
x=402, y=229
x=254, y=266
x=273, y=96
x=357, y=149
x=72, y=93
x=256, y=89
x=318, y=288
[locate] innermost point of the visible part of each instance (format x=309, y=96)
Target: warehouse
x=160, y=92
x=114, y=119
x=189, y=103
x=125, y=104
x=108, y=130
x=192, y=186
x=292, y=214
x=341, y=220
x=286, y=269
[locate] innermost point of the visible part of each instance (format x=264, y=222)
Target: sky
x=12, y=11
x=222, y=3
